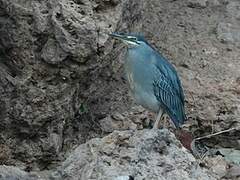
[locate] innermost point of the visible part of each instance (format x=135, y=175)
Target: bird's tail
x=178, y=115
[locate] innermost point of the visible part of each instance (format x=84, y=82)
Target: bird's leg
x=158, y=119
x=164, y=121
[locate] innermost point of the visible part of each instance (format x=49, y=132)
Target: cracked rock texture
x=51, y=63
x=201, y=38
x=145, y=154
x=12, y=173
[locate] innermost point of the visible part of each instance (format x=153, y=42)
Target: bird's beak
x=117, y=36
x=124, y=38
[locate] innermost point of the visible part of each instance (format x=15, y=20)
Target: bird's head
x=131, y=40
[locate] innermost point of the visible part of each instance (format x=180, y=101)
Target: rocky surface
x=12, y=173
x=51, y=66
x=201, y=39
x=61, y=78
x=144, y=154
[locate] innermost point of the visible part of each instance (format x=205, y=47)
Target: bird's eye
x=132, y=38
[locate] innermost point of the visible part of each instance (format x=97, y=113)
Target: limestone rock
x=145, y=154
x=197, y=3
x=14, y=173
x=229, y=33
x=49, y=58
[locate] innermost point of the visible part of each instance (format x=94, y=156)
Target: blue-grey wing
x=170, y=73
x=169, y=97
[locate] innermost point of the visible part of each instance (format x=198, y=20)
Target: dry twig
x=217, y=133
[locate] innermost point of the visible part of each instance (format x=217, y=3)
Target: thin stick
x=210, y=135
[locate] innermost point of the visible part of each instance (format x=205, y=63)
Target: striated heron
x=153, y=81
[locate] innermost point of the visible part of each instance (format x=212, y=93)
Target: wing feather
x=169, y=97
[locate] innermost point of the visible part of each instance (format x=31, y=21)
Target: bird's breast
x=131, y=81
x=141, y=84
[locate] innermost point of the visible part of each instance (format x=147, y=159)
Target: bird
x=153, y=80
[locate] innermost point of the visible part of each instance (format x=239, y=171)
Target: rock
x=233, y=172
x=50, y=56
x=145, y=154
x=229, y=33
x=52, y=52
x=197, y=3
x=56, y=142
x=217, y=165
x=109, y=124
x=214, y=2
x=14, y=173
x=135, y=119
x=126, y=155
x=228, y=30
x=233, y=10
x=5, y=153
